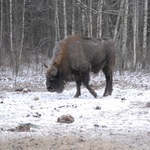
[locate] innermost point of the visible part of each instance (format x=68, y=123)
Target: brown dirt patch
x=62, y=143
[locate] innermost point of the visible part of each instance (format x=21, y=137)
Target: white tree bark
x=65, y=18
x=135, y=31
x=22, y=35
x=57, y=32
x=118, y=19
x=90, y=19
x=11, y=34
x=145, y=34
x=124, y=34
x=99, y=19
x=1, y=32
x=73, y=17
x=83, y=19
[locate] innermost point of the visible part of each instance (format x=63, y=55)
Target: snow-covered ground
x=126, y=112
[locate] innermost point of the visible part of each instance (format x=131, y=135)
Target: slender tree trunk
x=79, y=17
x=144, y=45
x=90, y=19
x=1, y=33
x=83, y=20
x=49, y=32
x=11, y=37
x=99, y=19
x=65, y=18
x=118, y=19
x=57, y=32
x=22, y=35
x=73, y=17
x=124, y=34
x=135, y=31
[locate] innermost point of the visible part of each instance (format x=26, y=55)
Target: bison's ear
x=45, y=65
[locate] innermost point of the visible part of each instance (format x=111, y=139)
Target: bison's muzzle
x=50, y=89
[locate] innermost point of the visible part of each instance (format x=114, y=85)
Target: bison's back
x=91, y=54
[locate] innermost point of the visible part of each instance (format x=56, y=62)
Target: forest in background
x=29, y=29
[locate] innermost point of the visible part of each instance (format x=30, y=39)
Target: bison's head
x=54, y=80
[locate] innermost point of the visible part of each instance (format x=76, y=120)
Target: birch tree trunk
x=73, y=17
x=22, y=35
x=83, y=19
x=135, y=31
x=90, y=19
x=124, y=34
x=11, y=36
x=144, y=45
x=1, y=33
x=57, y=32
x=99, y=19
x=118, y=19
x=65, y=18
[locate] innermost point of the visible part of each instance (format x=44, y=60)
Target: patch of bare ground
x=63, y=143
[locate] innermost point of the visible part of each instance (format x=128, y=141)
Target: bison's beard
x=60, y=84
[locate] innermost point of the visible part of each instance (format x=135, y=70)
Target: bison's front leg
x=78, y=85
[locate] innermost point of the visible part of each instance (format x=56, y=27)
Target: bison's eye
x=51, y=79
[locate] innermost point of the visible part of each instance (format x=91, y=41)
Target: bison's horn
x=45, y=65
x=53, y=70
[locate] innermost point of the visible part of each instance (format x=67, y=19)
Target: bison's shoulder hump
x=61, y=49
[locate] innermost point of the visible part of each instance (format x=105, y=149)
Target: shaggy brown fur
x=63, y=45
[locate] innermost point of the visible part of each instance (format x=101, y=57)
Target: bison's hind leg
x=85, y=80
x=108, y=75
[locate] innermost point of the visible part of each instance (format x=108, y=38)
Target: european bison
x=76, y=56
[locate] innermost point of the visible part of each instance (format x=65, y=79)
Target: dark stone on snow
x=65, y=119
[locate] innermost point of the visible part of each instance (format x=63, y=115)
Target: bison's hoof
x=77, y=95
x=106, y=94
x=95, y=95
